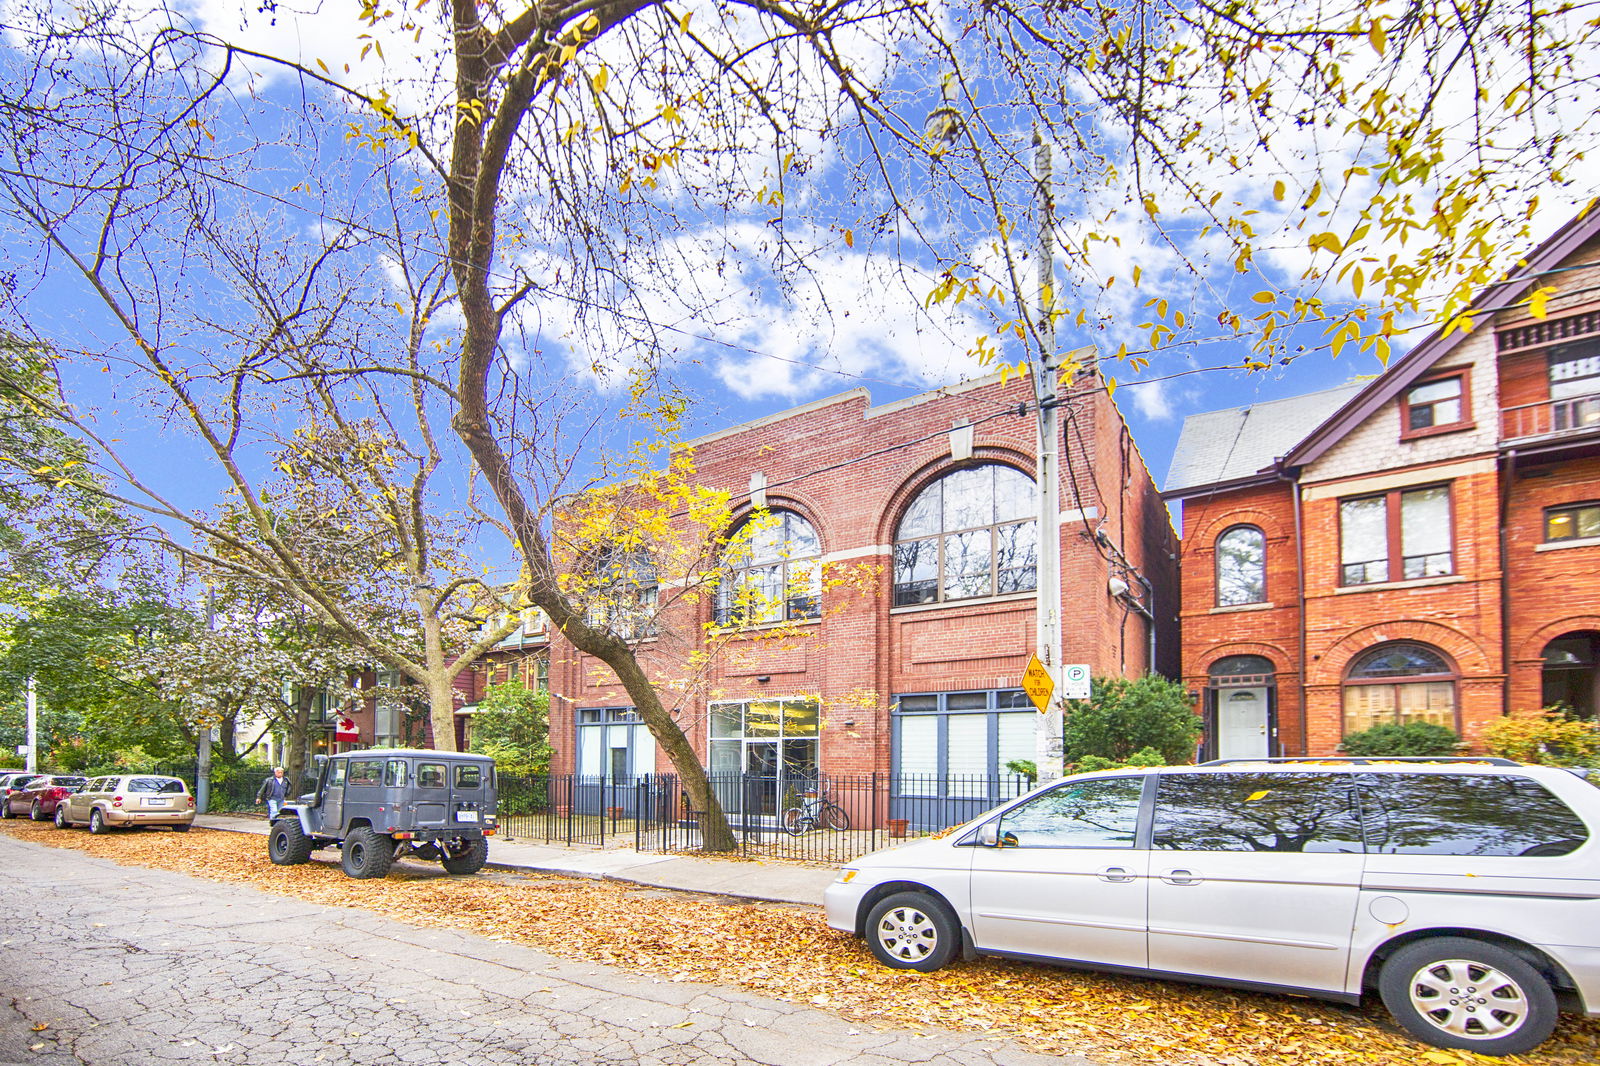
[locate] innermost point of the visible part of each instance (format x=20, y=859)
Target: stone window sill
x=1417, y=583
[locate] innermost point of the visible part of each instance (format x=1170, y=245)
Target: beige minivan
x=124, y=800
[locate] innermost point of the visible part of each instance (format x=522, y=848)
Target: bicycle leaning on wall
x=815, y=811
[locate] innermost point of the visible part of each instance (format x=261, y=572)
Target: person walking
x=274, y=791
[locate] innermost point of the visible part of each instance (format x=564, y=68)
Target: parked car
x=1464, y=893
x=123, y=800
x=38, y=798
x=13, y=782
x=381, y=805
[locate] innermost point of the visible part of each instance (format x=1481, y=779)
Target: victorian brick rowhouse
x=1428, y=551
x=899, y=544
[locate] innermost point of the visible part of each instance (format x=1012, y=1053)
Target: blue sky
x=763, y=342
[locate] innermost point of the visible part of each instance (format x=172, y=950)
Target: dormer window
x=1435, y=406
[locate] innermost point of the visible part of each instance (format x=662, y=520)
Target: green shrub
x=1122, y=719
x=1393, y=739
x=1143, y=757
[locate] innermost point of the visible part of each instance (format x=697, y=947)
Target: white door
x=1242, y=723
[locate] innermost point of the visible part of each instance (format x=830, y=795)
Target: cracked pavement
x=124, y=965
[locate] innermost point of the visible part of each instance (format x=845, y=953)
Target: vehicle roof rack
x=1367, y=760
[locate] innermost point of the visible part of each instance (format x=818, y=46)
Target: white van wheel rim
x=907, y=934
x=1468, y=999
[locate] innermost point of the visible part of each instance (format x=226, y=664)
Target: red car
x=15, y=781
x=38, y=798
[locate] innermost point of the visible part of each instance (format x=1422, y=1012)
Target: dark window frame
x=792, y=607
x=1465, y=422
x=905, y=593
x=1216, y=569
x=1395, y=537
x=1574, y=508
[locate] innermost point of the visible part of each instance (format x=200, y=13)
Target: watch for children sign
x=1037, y=684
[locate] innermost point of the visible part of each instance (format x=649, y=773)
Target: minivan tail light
x=116, y=801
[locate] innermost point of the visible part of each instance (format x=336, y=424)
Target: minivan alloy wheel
x=913, y=931
x=1462, y=993
x=1468, y=998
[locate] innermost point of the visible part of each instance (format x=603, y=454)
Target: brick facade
x=851, y=470
x=1509, y=590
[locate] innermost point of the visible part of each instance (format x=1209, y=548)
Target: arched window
x=774, y=571
x=1241, y=566
x=1240, y=670
x=971, y=533
x=622, y=593
x=1399, y=683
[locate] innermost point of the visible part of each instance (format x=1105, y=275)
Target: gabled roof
x=1232, y=448
x=1561, y=244
x=1241, y=444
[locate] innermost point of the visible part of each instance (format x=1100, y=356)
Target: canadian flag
x=345, y=730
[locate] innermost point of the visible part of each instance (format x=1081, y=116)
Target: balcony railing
x=1576, y=414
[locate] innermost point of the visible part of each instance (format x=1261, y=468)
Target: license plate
x=156, y=803
x=466, y=816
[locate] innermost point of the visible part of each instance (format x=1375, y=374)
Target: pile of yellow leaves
x=789, y=953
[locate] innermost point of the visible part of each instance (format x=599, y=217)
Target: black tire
x=1456, y=992
x=182, y=827
x=36, y=812
x=793, y=821
x=468, y=858
x=5, y=809
x=834, y=817
x=367, y=854
x=61, y=816
x=287, y=843
x=97, y=822
x=913, y=931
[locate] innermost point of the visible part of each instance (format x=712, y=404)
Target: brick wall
x=851, y=470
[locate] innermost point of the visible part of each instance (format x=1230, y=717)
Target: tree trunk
x=442, y=709
x=299, y=724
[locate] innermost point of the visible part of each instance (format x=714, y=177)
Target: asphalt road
x=107, y=965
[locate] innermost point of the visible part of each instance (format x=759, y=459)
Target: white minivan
x=1466, y=893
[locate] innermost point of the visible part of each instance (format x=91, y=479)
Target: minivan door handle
x=1116, y=874
x=1181, y=877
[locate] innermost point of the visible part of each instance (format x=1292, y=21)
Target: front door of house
x=1242, y=723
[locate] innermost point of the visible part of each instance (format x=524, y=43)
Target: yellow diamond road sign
x=1037, y=684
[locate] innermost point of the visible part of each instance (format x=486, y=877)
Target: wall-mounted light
x=764, y=678
x=1116, y=586
x=1194, y=695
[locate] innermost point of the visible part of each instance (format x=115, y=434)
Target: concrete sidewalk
x=778, y=882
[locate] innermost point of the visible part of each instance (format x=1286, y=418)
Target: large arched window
x=971, y=533
x=622, y=593
x=774, y=573
x=1399, y=683
x=1241, y=566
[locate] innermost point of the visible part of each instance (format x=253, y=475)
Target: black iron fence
x=832, y=820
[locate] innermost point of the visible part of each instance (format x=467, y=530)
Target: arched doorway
x=1569, y=674
x=1241, y=708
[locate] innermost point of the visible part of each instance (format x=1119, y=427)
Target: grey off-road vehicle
x=385, y=804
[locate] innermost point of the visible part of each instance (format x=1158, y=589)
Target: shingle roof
x=1222, y=446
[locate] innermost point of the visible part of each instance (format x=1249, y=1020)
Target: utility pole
x=1047, y=735
x=202, y=760
x=33, y=727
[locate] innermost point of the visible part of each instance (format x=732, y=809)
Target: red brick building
x=899, y=560
x=1428, y=551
